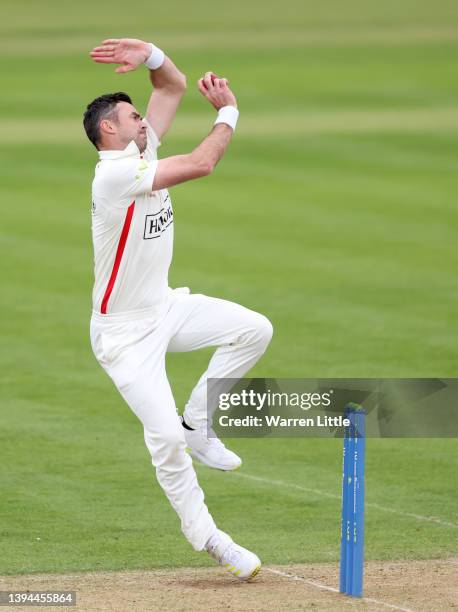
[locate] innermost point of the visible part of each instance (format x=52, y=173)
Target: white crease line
x=324, y=587
x=418, y=517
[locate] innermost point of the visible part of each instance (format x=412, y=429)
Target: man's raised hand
x=128, y=52
x=216, y=91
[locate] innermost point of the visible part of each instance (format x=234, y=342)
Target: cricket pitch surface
x=397, y=585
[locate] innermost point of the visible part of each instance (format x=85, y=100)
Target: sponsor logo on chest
x=157, y=223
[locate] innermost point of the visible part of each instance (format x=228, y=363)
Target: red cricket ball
x=213, y=77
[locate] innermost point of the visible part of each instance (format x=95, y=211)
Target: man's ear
x=107, y=126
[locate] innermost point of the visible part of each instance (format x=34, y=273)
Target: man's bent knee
x=264, y=331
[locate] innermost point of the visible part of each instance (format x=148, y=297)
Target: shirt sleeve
x=130, y=178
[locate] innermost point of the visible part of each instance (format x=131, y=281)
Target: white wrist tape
x=156, y=58
x=228, y=115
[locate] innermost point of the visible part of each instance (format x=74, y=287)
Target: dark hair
x=99, y=109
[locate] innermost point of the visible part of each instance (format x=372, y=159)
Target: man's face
x=130, y=126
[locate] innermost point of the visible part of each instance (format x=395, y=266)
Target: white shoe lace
x=231, y=556
x=213, y=545
x=215, y=442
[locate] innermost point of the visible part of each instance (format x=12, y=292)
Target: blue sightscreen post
x=349, y=512
x=358, y=510
x=352, y=524
x=344, y=519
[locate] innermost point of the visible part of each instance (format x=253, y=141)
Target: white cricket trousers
x=132, y=352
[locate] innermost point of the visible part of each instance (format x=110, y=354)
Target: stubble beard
x=141, y=143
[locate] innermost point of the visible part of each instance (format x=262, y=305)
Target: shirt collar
x=130, y=151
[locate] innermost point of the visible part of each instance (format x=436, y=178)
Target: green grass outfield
x=334, y=213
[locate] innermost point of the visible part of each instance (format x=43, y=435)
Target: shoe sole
x=253, y=574
x=215, y=466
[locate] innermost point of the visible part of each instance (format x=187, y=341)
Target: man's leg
x=138, y=371
x=240, y=334
x=134, y=357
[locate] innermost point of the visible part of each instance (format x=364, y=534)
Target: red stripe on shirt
x=117, y=261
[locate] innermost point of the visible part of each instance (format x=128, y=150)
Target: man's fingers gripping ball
x=209, y=80
x=215, y=89
x=212, y=80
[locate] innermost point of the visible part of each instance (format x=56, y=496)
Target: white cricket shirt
x=132, y=231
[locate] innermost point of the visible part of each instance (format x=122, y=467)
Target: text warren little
x=278, y=421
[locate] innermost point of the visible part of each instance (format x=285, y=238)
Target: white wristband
x=228, y=115
x=156, y=58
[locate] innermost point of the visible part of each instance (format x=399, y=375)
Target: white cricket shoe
x=210, y=451
x=236, y=559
